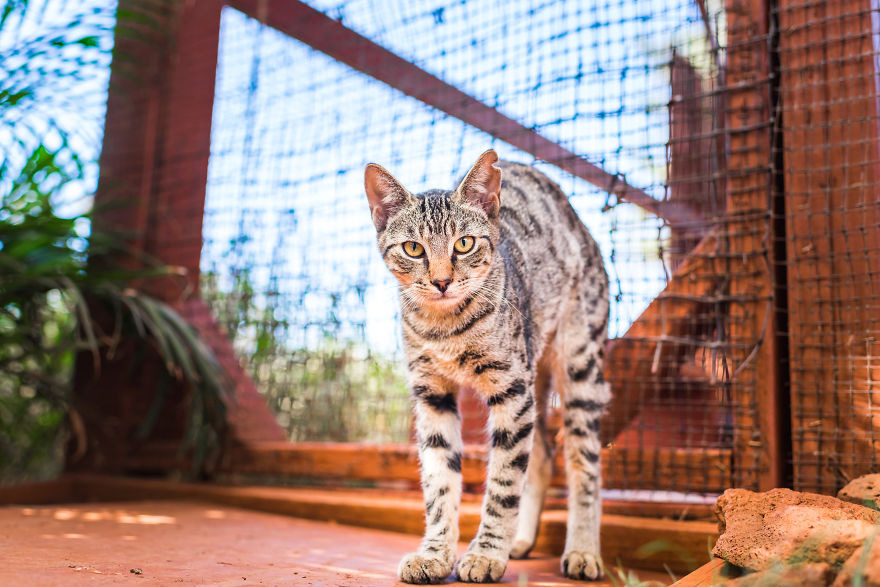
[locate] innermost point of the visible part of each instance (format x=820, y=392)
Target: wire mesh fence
x=724, y=161
x=289, y=261
x=829, y=109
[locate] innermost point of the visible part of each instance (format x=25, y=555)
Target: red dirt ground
x=187, y=543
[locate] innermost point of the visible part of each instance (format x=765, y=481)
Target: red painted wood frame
x=157, y=143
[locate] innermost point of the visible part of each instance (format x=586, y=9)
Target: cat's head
x=438, y=244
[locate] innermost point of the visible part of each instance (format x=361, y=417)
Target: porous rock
x=864, y=490
x=868, y=567
x=783, y=526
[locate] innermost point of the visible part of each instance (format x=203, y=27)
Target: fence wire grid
x=671, y=99
x=831, y=168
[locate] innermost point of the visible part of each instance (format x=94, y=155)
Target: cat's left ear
x=385, y=194
x=481, y=186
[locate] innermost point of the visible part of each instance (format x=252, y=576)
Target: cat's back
x=537, y=219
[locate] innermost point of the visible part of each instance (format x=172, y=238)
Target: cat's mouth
x=437, y=302
x=446, y=300
x=445, y=297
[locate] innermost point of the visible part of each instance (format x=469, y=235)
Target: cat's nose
x=441, y=284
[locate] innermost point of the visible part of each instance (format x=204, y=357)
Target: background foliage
x=336, y=390
x=54, y=65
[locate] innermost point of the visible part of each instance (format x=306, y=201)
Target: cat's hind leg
x=538, y=474
x=584, y=395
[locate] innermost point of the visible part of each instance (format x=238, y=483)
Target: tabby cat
x=502, y=289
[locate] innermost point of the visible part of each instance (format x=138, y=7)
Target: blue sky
x=293, y=129
x=71, y=98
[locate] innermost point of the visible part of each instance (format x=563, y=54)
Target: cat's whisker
x=485, y=288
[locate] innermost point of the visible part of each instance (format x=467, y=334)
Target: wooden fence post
x=154, y=166
x=753, y=360
x=829, y=98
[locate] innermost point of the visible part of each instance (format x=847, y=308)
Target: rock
x=869, y=569
x=864, y=491
x=806, y=575
x=784, y=526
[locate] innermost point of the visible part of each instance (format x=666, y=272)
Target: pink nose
x=441, y=284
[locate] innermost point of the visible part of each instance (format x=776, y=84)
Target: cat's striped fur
x=523, y=309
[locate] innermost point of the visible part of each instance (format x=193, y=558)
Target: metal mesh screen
x=679, y=206
x=829, y=108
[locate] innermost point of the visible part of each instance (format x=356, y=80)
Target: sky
x=70, y=98
x=293, y=129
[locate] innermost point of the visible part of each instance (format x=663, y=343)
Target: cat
x=502, y=289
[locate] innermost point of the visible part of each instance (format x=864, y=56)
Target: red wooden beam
x=321, y=32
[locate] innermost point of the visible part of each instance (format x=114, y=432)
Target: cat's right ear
x=481, y=187
x=385, y=194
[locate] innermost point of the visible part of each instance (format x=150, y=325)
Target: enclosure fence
x=722, y=153
x=828, y=159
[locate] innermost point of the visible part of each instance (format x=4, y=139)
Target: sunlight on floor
x=119, y=516
x=170, y=542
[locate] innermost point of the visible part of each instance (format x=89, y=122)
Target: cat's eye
x=464, y=244
x=413, y=249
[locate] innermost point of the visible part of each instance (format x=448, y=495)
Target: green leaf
x=90, y=41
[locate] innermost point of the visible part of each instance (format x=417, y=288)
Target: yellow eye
x=464, y=244
x=413, y=249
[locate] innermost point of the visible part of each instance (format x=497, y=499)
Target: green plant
x=331, y=390
x=49, y=282
x=620, y=577
x=47, y=289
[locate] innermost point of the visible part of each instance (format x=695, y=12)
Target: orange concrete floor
x=191, y=543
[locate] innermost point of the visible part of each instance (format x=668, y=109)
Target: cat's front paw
x=581, y=565
x=479, y=568
x=422, y=569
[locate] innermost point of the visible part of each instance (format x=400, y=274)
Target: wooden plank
x=692, y=156
x=705, y=470
x=56, y=491
x=830, y=113
x=341, y=461
x=706, y=576
x=805, y=278
x=755, y=389
x=184, y=145
x=125, y=188
x=64, y=489
x=698, y=470
x=329, y=36
x=157, y=135
x=632, y=540
x=670, y=469
x=654, y=509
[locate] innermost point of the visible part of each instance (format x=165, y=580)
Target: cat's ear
x=385, y=194
x=481, y=186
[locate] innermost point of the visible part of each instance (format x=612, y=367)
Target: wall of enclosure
x=829, y=161
x=721, y=152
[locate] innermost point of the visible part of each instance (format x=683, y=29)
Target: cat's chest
x=467, y=364
x=449, y=358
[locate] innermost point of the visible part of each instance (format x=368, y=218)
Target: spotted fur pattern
x=521, y=311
